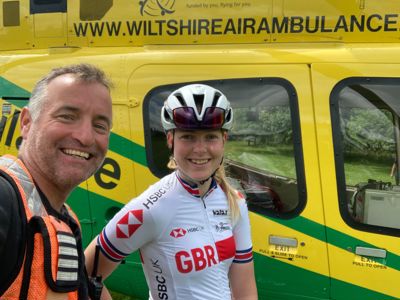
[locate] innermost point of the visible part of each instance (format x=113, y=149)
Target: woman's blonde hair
x=231, y=193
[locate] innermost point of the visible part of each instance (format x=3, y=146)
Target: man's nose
x=84, y=133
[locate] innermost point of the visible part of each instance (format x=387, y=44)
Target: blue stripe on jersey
x=109, y=249
x=193, y=189
x=243, y=256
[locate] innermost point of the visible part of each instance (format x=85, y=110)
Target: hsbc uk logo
x=178, y=232
x=129, y=223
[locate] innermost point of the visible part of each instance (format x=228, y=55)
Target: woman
x=191, y=227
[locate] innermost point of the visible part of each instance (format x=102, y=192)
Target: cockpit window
x=365, y=122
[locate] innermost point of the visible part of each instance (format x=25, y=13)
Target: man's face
x=67, y=143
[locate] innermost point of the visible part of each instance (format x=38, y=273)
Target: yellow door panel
x=359, y=252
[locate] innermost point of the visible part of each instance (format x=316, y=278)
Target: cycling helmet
x=196, y=106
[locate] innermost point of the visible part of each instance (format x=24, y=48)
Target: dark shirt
x=12, y=236
x=12, y=231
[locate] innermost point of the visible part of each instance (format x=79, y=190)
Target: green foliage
x=271, y=125
x=277, y=122
x=368, y=132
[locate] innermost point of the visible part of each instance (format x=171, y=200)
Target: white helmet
x=196, y=106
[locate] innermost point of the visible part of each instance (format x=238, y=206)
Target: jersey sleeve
x=131, y=228
x=242, y=235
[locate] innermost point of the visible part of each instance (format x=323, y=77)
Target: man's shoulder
x=12, y=233
x=11, y=208
x=7, y=192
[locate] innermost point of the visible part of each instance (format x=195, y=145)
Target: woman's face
x=197, y=153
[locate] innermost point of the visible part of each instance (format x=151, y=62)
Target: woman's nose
x=200, y=145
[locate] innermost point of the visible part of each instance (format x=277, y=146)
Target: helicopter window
x=365, y=122
x=48, y=6
x=262, y=158
x=94, y=10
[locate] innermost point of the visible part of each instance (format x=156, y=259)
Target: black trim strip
x=68, y=270
x=67, y=245
x=70, y=257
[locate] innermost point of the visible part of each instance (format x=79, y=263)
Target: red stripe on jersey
x=226, y=248
x=192, y=190
x=108, y=250
x=244, y=256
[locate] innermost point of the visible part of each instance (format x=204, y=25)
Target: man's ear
x=26, y=122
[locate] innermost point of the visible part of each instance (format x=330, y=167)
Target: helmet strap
x=201, y=182
x=213, y=174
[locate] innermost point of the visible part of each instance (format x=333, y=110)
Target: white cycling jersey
x=187, y=243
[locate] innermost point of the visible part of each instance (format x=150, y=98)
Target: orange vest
x=51, y=264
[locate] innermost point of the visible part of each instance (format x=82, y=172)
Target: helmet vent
x=199, y=100
x=228, y=116
x=166, y=116
x=180, y=99
x=215, y=100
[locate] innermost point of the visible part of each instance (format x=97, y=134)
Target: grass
x=276, y=159
x=279, y=160
x=357, y=172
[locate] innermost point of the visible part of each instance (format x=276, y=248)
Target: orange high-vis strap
x=51, y=264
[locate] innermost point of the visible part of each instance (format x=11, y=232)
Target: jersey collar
x=193, y=188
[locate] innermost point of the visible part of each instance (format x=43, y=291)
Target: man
x=65, y=131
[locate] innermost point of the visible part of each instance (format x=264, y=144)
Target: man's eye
x=101, y=127
x=67, y=117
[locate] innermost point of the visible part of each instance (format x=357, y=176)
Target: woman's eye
x=187, y=137
x=211, y=137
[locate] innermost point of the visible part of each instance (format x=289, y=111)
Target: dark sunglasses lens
x=184, y=118
x=214, y=118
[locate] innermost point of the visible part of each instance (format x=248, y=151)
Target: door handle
x=372, y=252
x=282, y=241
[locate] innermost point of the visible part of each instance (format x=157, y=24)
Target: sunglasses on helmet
x=185, y=118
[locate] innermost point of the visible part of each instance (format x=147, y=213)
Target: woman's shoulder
x=158, y=192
